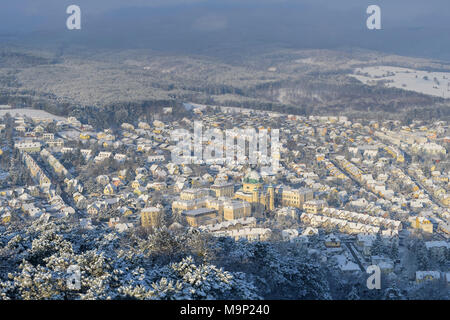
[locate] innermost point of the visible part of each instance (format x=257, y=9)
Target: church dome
x=253, y=177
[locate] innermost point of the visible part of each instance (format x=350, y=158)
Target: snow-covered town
x=347, y=194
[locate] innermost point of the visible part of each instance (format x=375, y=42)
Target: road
x=355, y=256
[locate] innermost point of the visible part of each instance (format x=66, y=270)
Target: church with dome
x=260, y=196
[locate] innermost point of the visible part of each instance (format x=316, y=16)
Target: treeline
x=14, y=59
x=304, y=97
x=107, y=116
x=111, y=116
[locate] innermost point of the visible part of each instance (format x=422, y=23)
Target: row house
x=28, y=146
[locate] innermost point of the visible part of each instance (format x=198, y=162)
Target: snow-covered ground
x=70, y=134
x=3, y=175
x=32, y=113
x=431, y=83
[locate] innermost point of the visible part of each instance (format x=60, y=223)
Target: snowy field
x=430, y=83
x=32, y=113
x=70, y=134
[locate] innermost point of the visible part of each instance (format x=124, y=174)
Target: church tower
x=255, y=195
x=271, y=198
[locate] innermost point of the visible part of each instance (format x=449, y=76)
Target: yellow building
x=252, y=181
x=158, y=186
x=422, y=276
x=182, y=205
x=135, y=184
x=331, y=241
x=423, y=223
x=296, y=197
x=201, y=216
x=253, y=191
x=84, y=136
x=215, y=204
x=126, y=212
x=192, y=194
x=236, y=210
x=223, y=189
x=314, y=206
x=395, y=154
x=151, y=217
x=109, y=189
x=6, y=218
x=446, y=200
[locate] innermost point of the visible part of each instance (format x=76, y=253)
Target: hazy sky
x=412, y=27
